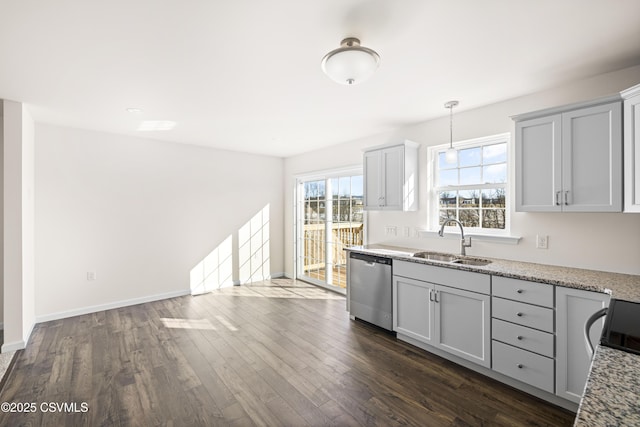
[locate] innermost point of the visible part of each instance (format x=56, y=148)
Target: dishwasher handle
x=370, y=259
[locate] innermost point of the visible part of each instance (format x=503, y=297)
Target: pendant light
x=451, y=155
x=350, y=63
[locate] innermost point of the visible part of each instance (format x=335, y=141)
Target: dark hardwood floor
x=278, y=353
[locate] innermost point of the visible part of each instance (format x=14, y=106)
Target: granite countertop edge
x=618, y=285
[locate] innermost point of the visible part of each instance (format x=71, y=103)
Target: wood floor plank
x=273, y=353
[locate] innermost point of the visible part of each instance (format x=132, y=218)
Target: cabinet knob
x=519, y=314
x=519, y=291
x=519, y=337
x=520, y=365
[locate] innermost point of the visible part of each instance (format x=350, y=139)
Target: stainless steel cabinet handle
x=430, y=294
x=558, y=198
x=566, y=197
x=436, y=296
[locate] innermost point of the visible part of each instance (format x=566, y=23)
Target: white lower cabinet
x=531, y=332
x=452, y=319
x=523, y=327
x=462, y=321
x=526, y=366
x=413, y=308
x=573, y=308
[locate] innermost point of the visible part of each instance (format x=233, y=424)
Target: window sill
x=492, y=238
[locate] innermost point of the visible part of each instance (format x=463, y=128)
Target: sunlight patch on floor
x=279, y=288
x=203, y=324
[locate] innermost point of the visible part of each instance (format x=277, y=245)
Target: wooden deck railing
x=342, y=235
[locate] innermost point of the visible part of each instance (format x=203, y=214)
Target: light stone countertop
x=612, y=394
x=618, y=285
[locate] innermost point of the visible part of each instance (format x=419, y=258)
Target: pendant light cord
x=451, y=126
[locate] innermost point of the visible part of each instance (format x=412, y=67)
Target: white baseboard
x=109, y=306
x=17, y=345
x=13, y=346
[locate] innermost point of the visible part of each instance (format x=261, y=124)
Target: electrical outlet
x=542, y=241
x=91, y=275
x=407, y=231
x=391, y=230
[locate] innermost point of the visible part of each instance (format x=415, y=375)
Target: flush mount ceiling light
x=350, y=63
x=451, y=155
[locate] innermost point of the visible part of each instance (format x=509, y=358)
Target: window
x=330, y=217
x=473, y=188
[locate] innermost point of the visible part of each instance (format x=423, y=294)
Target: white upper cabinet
x=391, y=177
x=570, y=159
x=538, y=164
x=632, y=149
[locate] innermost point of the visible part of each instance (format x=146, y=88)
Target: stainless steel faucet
x=463, y=242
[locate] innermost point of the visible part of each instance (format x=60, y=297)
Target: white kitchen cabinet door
x=373, y=177
x=463, y=324
x=632, y=149
x=413, y=308
x=592, y=159
x=393, y=166
x=391, y=177
x=570, y=160
x=539, y=164
x=573, y=308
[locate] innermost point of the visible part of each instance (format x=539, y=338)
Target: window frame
x=433, y=189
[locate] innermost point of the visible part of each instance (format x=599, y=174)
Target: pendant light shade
x=350, y=63
x=451, y=155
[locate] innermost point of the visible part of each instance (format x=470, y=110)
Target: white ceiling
x=245, y=75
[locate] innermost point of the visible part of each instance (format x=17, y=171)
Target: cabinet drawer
x=523, y=314
x=523, y=291
x=524, y=366
x=523, y=337
x=467, y=280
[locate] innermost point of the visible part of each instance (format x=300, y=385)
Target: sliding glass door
x=329, y=218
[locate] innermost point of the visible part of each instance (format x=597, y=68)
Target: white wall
x=18, y=224
x=596, y=241
x=142, y=214
x=2, y=214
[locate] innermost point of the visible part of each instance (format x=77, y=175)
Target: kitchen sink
x=435, y=256
x=471, y=261
x=452, y=259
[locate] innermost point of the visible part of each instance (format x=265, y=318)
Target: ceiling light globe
x=350, y=63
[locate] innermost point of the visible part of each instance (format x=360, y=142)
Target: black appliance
x=622, y=326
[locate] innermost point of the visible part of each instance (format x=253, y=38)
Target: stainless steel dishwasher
x=370, y=289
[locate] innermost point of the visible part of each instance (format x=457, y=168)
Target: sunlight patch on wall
x=215, y=271
x=409, y=196
x=253, y=248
